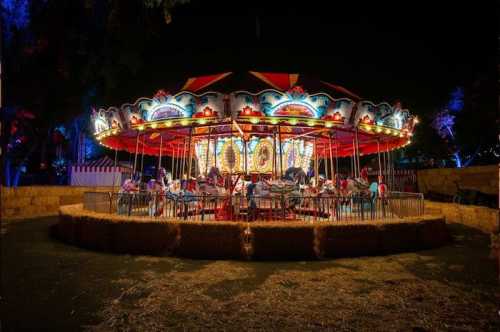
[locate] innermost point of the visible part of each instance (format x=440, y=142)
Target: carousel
x=230, y=152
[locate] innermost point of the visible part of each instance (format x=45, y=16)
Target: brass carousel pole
x=114, y=169
x=353, y=163
x=172, y=167
x=183, y=163
x=159, y=158
x=136, y=149
x=281, y=151
x=190, y=154
x=379, y=161
x=358, y=166
x=208, y=151
x=179, y=160
x=327, y=168
x=142, y=156
x=316, y=165
x=384, y=173
x=215, y=151
x=275, y=168
x=246, y=154
x=332, y=174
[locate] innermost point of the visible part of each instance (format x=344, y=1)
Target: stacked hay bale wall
x=443, y=180
x=228, y=240
x=479, y=217
x=40, y=201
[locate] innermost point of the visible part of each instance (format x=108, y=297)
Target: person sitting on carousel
x=125, y=195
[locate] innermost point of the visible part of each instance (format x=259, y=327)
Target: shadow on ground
x=49, y=285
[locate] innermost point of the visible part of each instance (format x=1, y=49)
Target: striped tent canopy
x=104, y=164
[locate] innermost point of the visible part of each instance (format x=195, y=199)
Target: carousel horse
x=287, y=189
x=213, y=185
x=157, y=189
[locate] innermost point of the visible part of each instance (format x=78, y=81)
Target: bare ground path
x=47, y=285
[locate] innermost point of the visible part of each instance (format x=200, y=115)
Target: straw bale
x=283, y=241
x=66, y=229
x=70, y=199
x=94, y=233
x=345, y=240
x=399, y=236
x=16, y=202
x=211, y=240
x=144, y=237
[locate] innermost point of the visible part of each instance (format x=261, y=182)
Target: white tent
x=101, y=172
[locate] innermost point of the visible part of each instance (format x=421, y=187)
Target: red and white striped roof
x=104, y=164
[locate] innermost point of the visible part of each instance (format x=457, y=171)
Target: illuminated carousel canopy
x=237, y=127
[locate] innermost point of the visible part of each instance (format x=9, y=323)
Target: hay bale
x=94, y=233
x=211, y=240
x=433, y=233
x=399, y=236
x=283, y=241
x=66, y=229
x=149, y=237
x=349, y=240
x=70, y=199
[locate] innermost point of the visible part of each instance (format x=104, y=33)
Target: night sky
x=416, y=52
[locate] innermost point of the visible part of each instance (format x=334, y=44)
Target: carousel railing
x=257, y=208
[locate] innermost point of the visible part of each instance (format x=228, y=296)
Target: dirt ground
x=47, y=285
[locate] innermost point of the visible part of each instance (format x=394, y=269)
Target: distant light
x=184, y=122
x=274, y=121
x=202, y=121
x=254, y=120
x=168, y=123
x=328, y=124
x=293, y=122
x=141, y=128
x=154, y=125
x=311, y=123
x=378, y=130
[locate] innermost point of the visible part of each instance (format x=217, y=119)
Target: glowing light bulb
x=416, y=120
x=378, y=130
x=311, y=123
x=184, y=122
x=168, y=123
x=254, y=120
x=154, y=125
x=293, y=122
x=274, y=121
x=328, y=124
x=368, y=128
x=141, y=128
x=387, y=131
x=202, y=121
